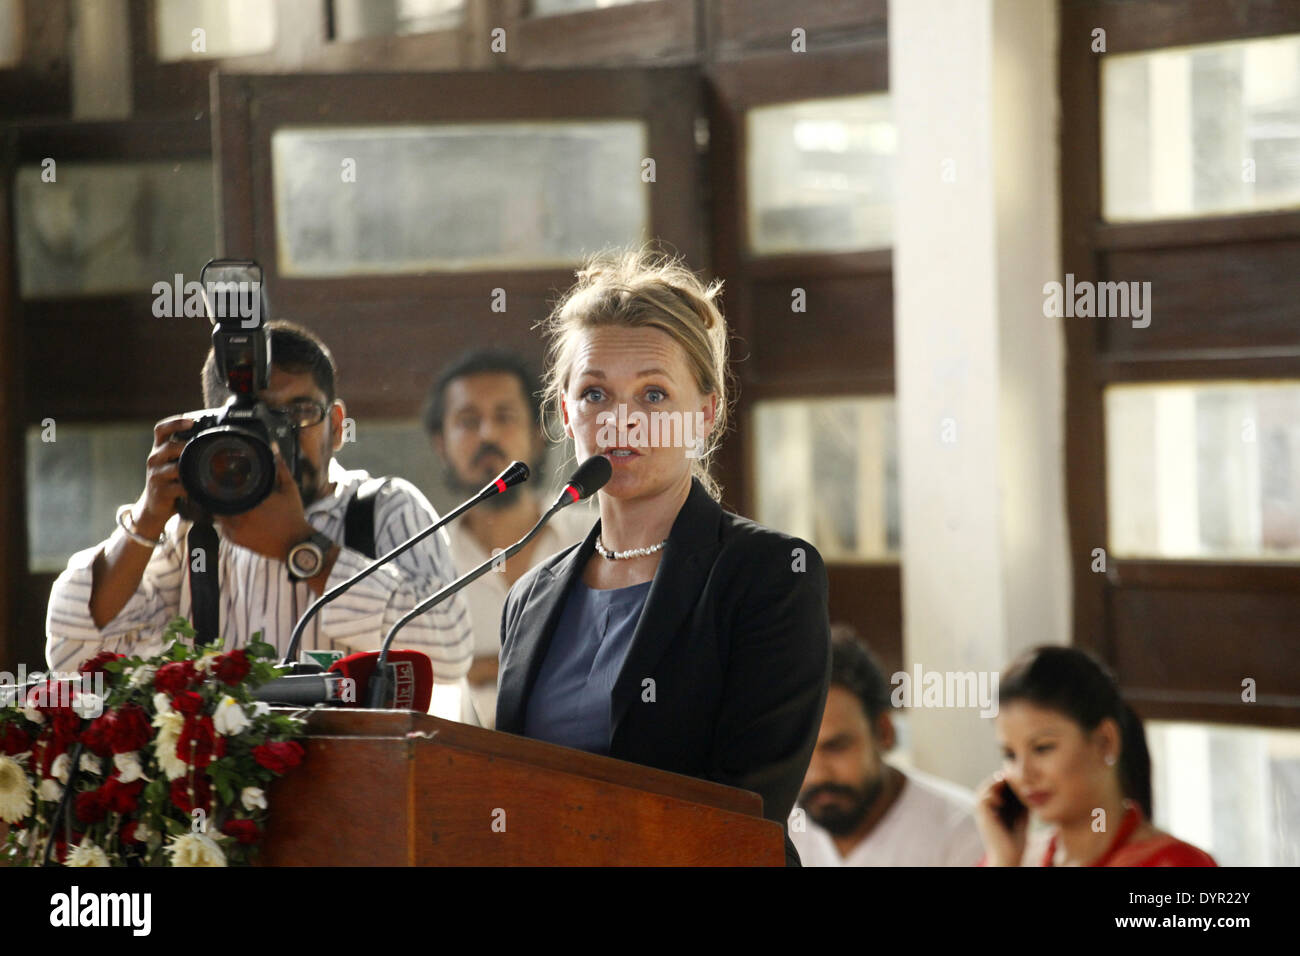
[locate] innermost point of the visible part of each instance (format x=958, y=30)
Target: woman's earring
x=1110, y=760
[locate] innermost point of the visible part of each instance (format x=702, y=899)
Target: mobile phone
x=1012, y=810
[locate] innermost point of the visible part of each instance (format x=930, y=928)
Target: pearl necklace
x=630, y=553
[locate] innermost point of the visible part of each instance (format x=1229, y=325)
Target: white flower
x=91, y=764
x=62, y=764
x=15, y=791
x=34, y=715
x=229, y=718
x=87, y=854
x=49, y=790
x=252, y=798
x=128, y=767
x=195, y=849
x=169, y=727
x=142, y=675
x=143, y=833
x=162, y=703
x=261, y=707
x=87, y=705
x=204, y=663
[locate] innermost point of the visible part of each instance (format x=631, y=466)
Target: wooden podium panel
x=393, y=788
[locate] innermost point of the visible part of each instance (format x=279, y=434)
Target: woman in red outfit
x=1075, y=755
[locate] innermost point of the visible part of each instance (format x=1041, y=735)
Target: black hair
x=294, y=348
x=476, y=362
x=856, y=669
x=1072, y=682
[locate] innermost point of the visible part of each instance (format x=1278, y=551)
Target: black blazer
x=735, y=637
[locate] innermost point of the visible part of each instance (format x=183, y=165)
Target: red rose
x=98, y=736
x=121, y=797
x=131, y=729
x=231, y=668
x=14, y=740
x=52, y=697
x=187, y=702
x=175, y=677
x=65, y=727
x=90, y=806
x=199, y=744
x=245, y=831
x=201, y=798
x=95, y=665
x=128, y=832
x=280, y=756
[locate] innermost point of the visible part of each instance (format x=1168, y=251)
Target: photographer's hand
x=119, y=567
x=276, y=525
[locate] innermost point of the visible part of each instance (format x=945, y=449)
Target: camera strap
x=359, y=519
x=201, y=548
x=201, y=545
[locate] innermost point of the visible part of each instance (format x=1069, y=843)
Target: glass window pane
x=1232, y=791
x=456, y=196
x=356, y=19
x=1204, y=470
x=111, y=227
x=11, y=32
x=1201, y=130
x=820, y=175
x=852, y=446
x=77, y=475
x=225, y=28
x=543, y=8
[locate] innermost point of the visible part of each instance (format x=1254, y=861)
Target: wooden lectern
x=394, y=788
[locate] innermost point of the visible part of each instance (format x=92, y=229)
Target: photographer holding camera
x=286, y=534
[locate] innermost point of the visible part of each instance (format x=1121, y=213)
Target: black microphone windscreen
x=516, y=473
x=591, y=476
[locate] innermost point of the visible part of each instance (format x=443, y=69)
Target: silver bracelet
x=131, y=533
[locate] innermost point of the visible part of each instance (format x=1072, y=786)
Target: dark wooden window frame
x=1181, y=635
x=160, y=88
x=768, y=362
x=663, y=32
x=40, y=84
x=437, y=314
x=88, y=358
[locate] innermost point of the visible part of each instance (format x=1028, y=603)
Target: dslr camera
x=227, y=466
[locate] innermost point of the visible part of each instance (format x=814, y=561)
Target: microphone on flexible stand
x=347, y=681
x=515, y=474
x=590, y=477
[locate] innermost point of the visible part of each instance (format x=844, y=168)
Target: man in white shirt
x=857, y=810
x=483, y=412
x=119, y=595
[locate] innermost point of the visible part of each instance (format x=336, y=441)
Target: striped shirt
x=257, y=594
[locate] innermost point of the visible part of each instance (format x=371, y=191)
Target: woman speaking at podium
x=677, y=635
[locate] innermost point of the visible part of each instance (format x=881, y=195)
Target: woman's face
x=1053, y=766
x=632, y=398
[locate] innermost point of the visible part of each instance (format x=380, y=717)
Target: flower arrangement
x=172, y=759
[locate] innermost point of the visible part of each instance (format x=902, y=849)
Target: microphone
x=345, y=684
x=516, y=473
x=305, y=690
x=589, y=478
x=412, y=672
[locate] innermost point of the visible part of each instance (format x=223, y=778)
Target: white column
x=979, y=369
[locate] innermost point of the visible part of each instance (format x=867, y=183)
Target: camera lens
x=227, y=470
